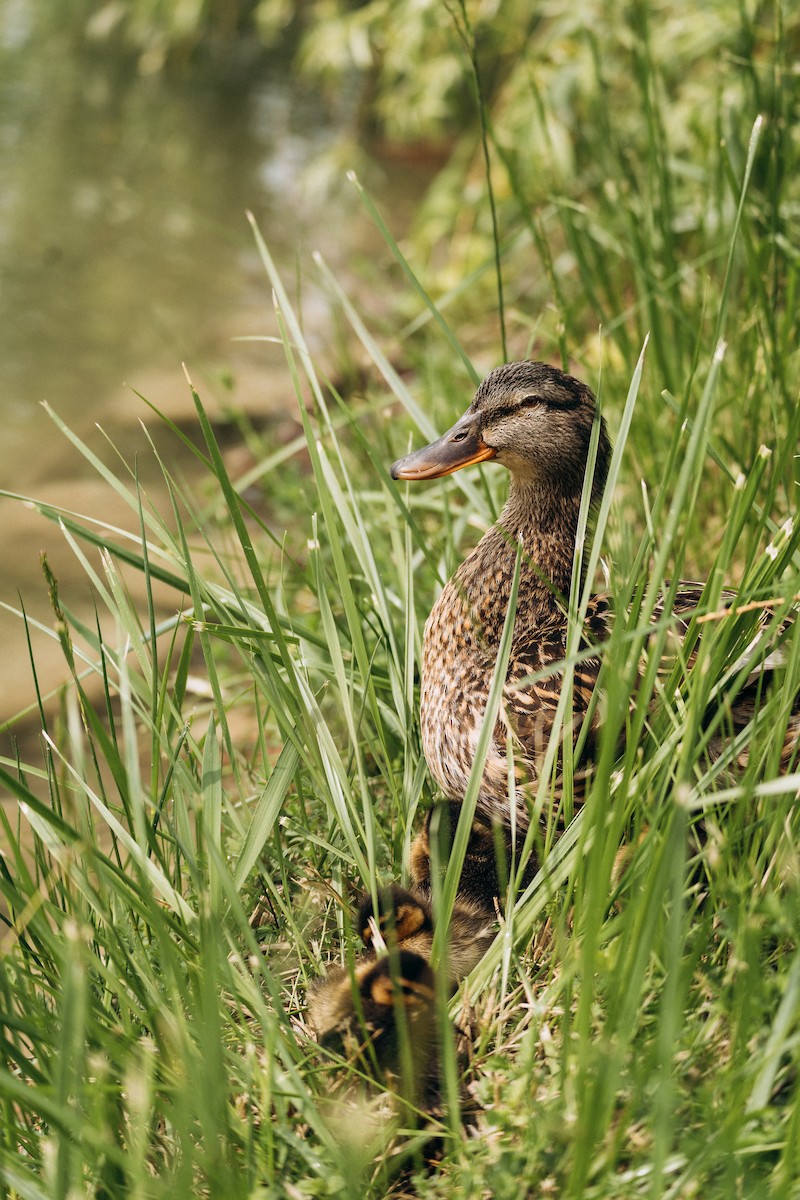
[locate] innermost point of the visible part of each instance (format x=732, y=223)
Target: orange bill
x=460, y=447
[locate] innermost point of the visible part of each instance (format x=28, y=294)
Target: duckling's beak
x=460, y=447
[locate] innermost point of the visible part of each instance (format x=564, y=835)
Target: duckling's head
x=529, y=417
x=400, y=915
x=401, y=986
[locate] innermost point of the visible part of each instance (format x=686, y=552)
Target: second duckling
x=404, y=921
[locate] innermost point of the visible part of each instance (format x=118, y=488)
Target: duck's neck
x=545, y=522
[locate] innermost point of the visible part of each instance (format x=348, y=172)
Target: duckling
x=537, y=422
x=386, y=1006
x=488, y=862
x=405, y=921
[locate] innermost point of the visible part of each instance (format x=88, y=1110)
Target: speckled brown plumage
x=749, y=697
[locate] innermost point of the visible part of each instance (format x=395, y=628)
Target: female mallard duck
x=537, y=422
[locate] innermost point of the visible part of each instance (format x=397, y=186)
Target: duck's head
x=529, y=417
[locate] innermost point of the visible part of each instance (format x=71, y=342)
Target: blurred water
x=122, y=235
x=124, y=251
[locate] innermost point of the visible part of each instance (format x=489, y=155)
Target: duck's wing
x=685, y=604
x=536, y=677
x=677, y=612
x=763, y=648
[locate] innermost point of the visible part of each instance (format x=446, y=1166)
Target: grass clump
x=250, y=735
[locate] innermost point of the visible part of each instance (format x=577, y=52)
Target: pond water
x=124, y=251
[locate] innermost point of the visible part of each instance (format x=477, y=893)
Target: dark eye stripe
x=529, y=402
x=532, y=401
x=562, y=400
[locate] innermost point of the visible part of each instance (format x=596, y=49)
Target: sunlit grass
x=634, y=1033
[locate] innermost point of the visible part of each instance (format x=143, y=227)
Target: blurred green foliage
x=612, y=130
x=586, y=155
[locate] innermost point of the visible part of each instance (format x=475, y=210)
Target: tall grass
x=249, y=741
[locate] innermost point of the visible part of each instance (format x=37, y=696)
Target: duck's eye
x=459, y=437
